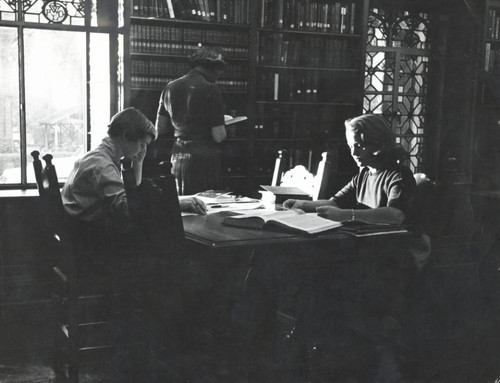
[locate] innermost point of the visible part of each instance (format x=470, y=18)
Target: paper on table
x=233, y=206
x=216, y=196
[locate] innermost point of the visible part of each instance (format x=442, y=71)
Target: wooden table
x=209, y=231
x=267, y=284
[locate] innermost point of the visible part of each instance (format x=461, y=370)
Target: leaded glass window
x=55, y=93
x=396, y=70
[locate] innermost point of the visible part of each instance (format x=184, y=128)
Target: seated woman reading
x=95, y=192
x=382, y=191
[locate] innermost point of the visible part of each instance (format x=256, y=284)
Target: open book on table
x=294, y=220
x=310, y=223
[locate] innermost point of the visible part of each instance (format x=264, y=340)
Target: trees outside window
x=55, y=87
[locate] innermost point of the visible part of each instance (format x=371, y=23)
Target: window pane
x=55, y=96
x=99, y=88
x=9, y=107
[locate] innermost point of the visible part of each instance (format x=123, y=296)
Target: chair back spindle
x=322, y=176
x=280, y=166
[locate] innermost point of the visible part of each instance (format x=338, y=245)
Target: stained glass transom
x=67, y=12
x=396, y=70
x=395, y=28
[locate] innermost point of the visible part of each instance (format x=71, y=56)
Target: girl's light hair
x=373, y=131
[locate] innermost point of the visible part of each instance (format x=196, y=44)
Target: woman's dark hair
x=211, y=58
x=132, y=124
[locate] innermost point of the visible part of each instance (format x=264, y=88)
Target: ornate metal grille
x=67, y=12
x=396, y=70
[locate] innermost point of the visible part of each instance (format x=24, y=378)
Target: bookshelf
x=486, y=141
x=295, y=68
x=309, y=79
x=491, y=62
x=162, y=34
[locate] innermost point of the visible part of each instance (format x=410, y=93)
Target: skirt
x=196, y=166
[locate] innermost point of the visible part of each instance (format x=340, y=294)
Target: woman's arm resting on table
x=387, y=215
x=192, y=203
x=307, y=206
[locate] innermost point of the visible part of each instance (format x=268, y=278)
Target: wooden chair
x=444, y=210
x=444, y=294
x=314, y=184
x=154, y=205
x=95, y=314
x=280, y=167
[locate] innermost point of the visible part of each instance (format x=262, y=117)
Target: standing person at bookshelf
x=191, y=107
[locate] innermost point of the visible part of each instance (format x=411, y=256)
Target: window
x=55, y=96
x=396, y=75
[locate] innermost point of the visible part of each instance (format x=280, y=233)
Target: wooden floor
x=469, y=354
x=458, y=345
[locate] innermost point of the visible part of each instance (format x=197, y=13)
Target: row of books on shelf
x=149, y=68
x=160, y=39
x=299, y=130
x=149, y=82
x=493, y=24
x=492, y=59
x=161, y=69
x=158, y=82
x=234, y=159
x=308, y=86
x=307, y=15
x=307, y=52
x=296, y=123
x=221, y=11
x=151, y=73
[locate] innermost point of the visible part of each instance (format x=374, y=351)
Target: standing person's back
x=194, y=106
x=192, y=109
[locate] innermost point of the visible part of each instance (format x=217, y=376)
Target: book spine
x=276, y=81
x=343, y=19
x=496, y=35
x=336, y=14
x=352, y=20
x=278, y=14
x=487, y=55
x=170, y=8
x=490, y=27
x=136, y=7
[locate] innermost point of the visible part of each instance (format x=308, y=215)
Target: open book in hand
x=294, y=220
x=229, y=120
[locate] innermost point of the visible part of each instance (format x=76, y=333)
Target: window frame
x=114, y=33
